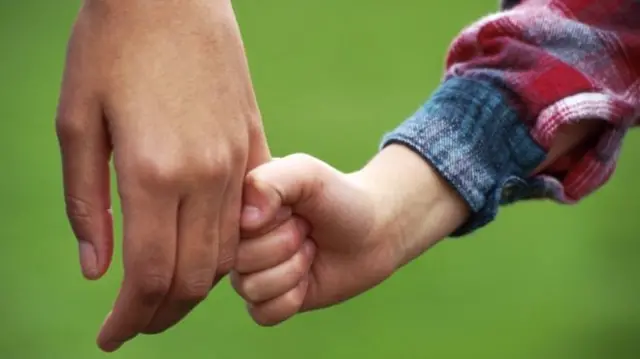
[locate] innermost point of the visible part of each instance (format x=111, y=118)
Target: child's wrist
x=416, y=207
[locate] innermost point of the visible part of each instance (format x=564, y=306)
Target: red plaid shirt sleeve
x=562, y=62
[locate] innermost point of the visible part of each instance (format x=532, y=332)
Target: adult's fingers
x=273, y=282
x=275, y=247
x=197, y=255
x=150, y=231
x=229, y=222
x=259, y=152
x=85, y=148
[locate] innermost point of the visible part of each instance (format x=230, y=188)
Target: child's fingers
x=276, y=281
x=297, y=180
x=277, y=310
x=271, y=249
x=282, y=215
x=260, y=207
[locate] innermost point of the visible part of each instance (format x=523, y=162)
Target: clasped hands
x=163, y=89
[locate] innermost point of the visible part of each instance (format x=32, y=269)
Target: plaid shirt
x=513, y=79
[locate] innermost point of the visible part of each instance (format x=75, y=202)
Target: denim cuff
x=472, y=135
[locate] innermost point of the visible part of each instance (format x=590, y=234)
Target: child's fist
x=331, y=249
x=314, y=237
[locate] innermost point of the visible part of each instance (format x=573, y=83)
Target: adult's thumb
x=85, y=153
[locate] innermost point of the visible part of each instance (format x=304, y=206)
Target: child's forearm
x=469, y=133
x=415, y=201
x=421, y=205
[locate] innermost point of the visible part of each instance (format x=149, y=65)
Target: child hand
x=348, y=232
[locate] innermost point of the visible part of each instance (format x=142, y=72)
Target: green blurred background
x=544, y=281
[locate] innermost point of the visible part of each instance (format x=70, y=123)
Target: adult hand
x=165, y=87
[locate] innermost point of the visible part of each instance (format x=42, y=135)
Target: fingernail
x=88, y=259
x=250, y=215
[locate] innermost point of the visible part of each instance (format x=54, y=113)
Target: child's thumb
x=259, y=202
x=291, y=181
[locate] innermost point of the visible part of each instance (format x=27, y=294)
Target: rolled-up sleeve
x=513, y=80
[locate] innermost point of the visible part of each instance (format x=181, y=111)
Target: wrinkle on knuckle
x=81, y=216
x=153, y=288
x=152, y=275
x=226, y=264
x=193, y=290
x=77, y=208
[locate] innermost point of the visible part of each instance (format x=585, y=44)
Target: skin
x=348, y=232
x=163, y=87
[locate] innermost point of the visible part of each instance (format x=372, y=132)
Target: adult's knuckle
x=77, y=208
x=156, y=170
x=239, y=157
x=69, y=129
x=154, y=287
x=81, y=216
x=212, y=172
x=206, y=166
x=214, y=164
x=194, y=290
x=235, y=155
x=226, y=263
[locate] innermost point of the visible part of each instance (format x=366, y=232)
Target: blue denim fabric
x=475, y=139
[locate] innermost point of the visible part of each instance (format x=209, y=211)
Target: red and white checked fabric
x=562, y=62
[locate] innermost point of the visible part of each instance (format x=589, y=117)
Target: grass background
x=544, y=281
